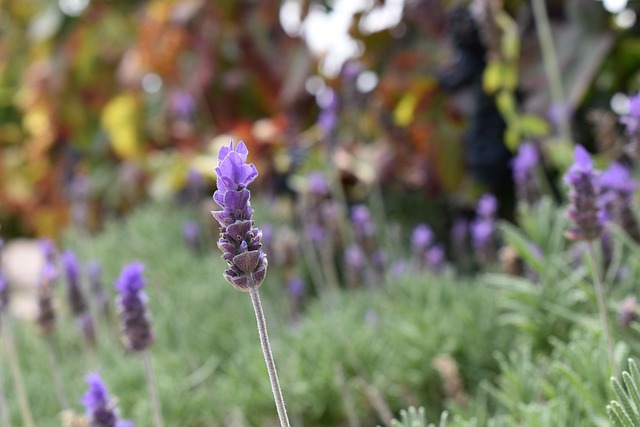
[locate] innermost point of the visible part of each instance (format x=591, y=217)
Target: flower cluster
x=76, y=298
x=132, y=308
x=426, y=254
x=46, y=312
x=364, y=232
x=584, y=211
x=100, y=409
x=239, y=239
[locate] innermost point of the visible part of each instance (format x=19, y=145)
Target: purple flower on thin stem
x=296, y=287
x=191, y=236
x=584, y=208
x=487, y=206
x=239, y=238
x=318, y=184
x=328, y=102
x=132, y=307
x=363, y=226
x=435, y=258
x=46, y=312
x=524, y=164
x=241, y=247
x=4, y=293
x=48, y=249
x=100, y=409
x=355, y=262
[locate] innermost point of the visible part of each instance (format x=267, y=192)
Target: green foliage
x=416, y=418
x=624, y=411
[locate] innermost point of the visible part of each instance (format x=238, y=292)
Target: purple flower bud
x=46, y=312
x=617, y=192
x=99, y=407
x=487, y=206
x=48, y=249
x=318, y=184
x=132, y=308
x=628, y=311
x=584, y=209
x=182, y=104
x=191, y=235
x=94, y=271
x=355, y=265
x=524, y=164
x=75, y=296
x=4, y=293
x=421, y=238
x=483, y=240
x=239, y=239
x=296, y=287
x=631, y=120
x=363, y=225
x=435, y=258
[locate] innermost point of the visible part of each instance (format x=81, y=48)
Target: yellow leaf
x=403, y=113
x=120, y=121
x=533, y=126
x=492, y=77
x=512, y=138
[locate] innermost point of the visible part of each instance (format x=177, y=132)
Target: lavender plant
x=483, y=230
x=101, y=410
x=76, y=298
x=617, y=189
x=240, y=245
x=136, y=325
x=524, y=165
x=94, y=271
x=586, y=214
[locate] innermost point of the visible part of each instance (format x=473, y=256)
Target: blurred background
x=107, y=104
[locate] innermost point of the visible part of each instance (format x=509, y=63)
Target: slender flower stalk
x=241, y=247
x=4, y=302
x=136, y=325
x=78, y=302
x=588, y=219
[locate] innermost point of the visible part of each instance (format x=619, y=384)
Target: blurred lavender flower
x=48, y=249
x=191, y=236
x=558, y=113
x=318, y=184
x=631, y=120
x=487, y=206
x=183, y=105
x=195, y=185
x=296, y=287
x=327, y=100
x=617, y=192
x=584, y=210
x=239, y=239
x=46, y=318
x=132, y=300
x=75, y=296
x=459, y=237
x=483, y=240
x=435, y=258
x=355, y=265
x=524, y=164
x=4, y=293
x=363, y=225
x=421, y=238
x=628, y=311
x=100, y=409
x=94, y=271
x=398, y=269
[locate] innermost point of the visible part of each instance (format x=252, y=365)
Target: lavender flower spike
x=132, y=300
x=75, y=296
x=101, y=411
x=239, y=239
x=584, y=210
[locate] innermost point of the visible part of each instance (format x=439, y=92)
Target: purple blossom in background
x=421, y=238
x=4, y=293
x=239, y=239
x=355, y=261
x=315, y=232
x=558, y=113
x=94, y=271
x=296, y=287
x=617, y=191
x=75, y=296
x=327, y=100
x=318, y=184
x=487, y=206
x=46, y=317
x=631, y=120
x=483, y=240
x=524, y=164
x=459, y=236
x=363, y=225
x=398, y=268
x=584, y=208
x=183, y=105
x=132, y=300
x=191, y=235
x=48, y=249
x=435, y=258
x=100, y=409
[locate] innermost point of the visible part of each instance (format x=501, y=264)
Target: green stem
x=55, y=372
x=153, y=390
x=268, y=357
x=16, y=372
x=4, y=408
x=551, y=68
x=602, y=306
